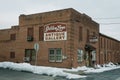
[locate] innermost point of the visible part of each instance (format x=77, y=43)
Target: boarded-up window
x=41, y=34
x=12, y=54
x=88, y=33
x=13, y=37
x=101, y=43
x=80, y=33
x=30, y=32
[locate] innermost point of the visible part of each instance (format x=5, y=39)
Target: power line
x=108, y=18
x=109, y=23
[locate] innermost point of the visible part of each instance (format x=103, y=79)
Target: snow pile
x=57, y=71
x=39, y=69
x=98, y=68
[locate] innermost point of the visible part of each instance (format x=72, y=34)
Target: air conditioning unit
x=26, y=59
x=29, y=38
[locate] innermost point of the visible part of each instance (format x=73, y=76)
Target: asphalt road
x=6, y=74
x=108, y=75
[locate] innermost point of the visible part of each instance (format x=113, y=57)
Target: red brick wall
x=73, y=21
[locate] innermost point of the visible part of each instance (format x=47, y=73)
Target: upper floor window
x=13, y=37
x=41, y=34
x=101, y=43
x=80, y=33
x=30, y=32
x=88, y=33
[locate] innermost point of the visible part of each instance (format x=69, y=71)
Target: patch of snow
x=53, y=71
x=98, y=68
x=39, y=69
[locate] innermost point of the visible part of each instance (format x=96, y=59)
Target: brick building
x=66, y=38
x=109, y=49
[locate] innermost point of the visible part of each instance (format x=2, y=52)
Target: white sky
x=11, y=9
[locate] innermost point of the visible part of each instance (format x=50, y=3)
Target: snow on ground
x=98, y=68
x=57, y=71
x=39, y=69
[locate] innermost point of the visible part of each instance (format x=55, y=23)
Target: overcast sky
x=102, y=11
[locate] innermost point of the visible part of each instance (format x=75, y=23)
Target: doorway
x=29, y=56
x=90, y=55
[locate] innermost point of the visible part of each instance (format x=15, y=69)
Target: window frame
x=29, y=53
x=13, y=36
x=30, y=34
x=41, y=33
x=51, y=55
x=80, y=55
x=80, y=33
x=57, y=56
x=12, y=55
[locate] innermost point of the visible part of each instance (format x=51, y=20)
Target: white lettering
x=54, y=28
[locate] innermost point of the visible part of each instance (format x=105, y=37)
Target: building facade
x=109, y=49
x=66, y=38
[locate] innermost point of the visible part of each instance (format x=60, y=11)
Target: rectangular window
x=29, y=55
x=30, y=32
x=87, y=35
x=80, y=34
x=52, y=55
x=55, y=55
x=104, y=43
x=58, y=55
x=110, y=44
x=107, y=44
x=13, y=37
x=12, y=54
x=80, y=55
x=41, y=33
x=101, y=44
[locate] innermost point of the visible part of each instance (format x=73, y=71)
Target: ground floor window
x=29, y=55
x=12, y=54
x=80, y=55
x=55, y=55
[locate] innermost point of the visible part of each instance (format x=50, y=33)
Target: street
x=108, y=75
x=6, y=74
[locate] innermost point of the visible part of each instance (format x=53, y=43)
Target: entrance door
x=88, y=58
x=91, y=58
x=29, y=56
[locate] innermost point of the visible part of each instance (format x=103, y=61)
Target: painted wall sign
x=55, y=32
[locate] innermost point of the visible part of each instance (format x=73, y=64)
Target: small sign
x=93, y=39
x=36, y=47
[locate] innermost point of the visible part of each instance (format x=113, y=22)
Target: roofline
x=108, y=37
x=47, y=12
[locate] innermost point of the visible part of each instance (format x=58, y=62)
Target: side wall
x=109, y=49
